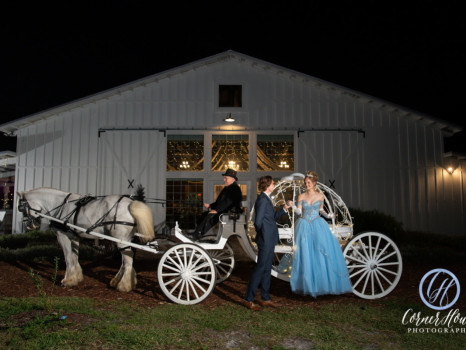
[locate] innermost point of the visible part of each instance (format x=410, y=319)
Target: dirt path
x=15, y=281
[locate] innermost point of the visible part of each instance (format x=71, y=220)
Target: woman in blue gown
x=318, y=266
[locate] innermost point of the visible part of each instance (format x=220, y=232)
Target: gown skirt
x=318, y=266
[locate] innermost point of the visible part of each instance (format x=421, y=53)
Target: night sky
x=413, y=55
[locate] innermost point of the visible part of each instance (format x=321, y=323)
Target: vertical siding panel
x=93, y=149
x=332, y=108
x=101, y=165
x=75, y=151
x=58, y=152
x=39, y=157
x=83, y=160
x=349, y=175
x=399, y=188
x=404, y=199
x=422, y=173
x=112, y=175
x=22, y=152
x=48, y=155
x=66, y=153
x=30, y=157
x=411, y=189
x=123, y=152
x=416, y=177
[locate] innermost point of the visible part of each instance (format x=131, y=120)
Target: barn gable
x=235, y=65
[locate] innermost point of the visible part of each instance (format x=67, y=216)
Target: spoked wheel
x=224, y=262
x=374, y=265
x=186, y=274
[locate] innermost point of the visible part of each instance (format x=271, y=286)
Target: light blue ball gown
x=318, y=264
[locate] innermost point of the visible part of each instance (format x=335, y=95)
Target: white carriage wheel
x=186, y=274
x=224, y=262
x=374, y=265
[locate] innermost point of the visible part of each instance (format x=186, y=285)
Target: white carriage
x=188, y=271
x=373, y=259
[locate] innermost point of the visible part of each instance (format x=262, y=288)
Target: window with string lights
x=184, y=202
x=230, y=151
x=185, y=152
x=275, y=152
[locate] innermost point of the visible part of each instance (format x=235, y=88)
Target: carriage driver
x=229, y=198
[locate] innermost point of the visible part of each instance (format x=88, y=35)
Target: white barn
x=168, y=133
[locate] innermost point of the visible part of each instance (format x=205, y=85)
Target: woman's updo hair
x=312, y=175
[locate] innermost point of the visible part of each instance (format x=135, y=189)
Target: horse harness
x=25, y=209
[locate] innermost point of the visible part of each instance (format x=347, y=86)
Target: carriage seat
x=227, y=221
x=228, y=218
x=234, y=214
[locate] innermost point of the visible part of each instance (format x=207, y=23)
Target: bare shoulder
x=302, y=197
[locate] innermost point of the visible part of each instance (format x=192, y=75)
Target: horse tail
x=144, y=220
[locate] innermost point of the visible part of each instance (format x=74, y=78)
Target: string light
x=184, y=164
x=187, y=152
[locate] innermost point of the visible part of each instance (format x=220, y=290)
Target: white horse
x=114, y=215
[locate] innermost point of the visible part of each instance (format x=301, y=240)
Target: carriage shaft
x=100, y=235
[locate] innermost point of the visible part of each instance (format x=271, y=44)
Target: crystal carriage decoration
x=289, y=188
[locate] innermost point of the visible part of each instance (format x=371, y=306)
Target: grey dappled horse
x=114, y=215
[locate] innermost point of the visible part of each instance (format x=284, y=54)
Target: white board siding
x=133, y=156
x=336, y=157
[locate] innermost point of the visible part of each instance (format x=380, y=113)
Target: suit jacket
x=230, y=197
x=265, y=221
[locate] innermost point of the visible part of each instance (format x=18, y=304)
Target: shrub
x=31, y=254
x=373, y=220
x=38, y=246
x=27, y=239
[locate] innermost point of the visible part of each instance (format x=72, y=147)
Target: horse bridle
x=30, y=221
x=34, y=221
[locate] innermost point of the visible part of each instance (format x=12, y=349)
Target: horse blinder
x=22, y=206
x=30, y=222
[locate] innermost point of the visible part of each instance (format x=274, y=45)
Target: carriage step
x=283, y=249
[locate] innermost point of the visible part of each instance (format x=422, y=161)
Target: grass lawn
x=90, y=325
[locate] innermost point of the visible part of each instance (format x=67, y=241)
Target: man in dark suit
x=229, y=198
x=266, y=239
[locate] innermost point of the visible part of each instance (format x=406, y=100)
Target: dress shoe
x=269, y=303
x=251, y=306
